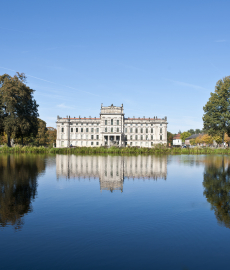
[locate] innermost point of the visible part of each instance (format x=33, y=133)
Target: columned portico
x=112, y=139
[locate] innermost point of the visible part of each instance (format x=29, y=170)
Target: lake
x=114, y=212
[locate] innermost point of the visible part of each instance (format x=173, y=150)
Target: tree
x=184, y=135
x=217, y=139
x=207, y=139
x=198, y=139
x=19, y=110
x=52, y=135
x=198, y=131
x=41, y=138
x=191, y=131
x=192, y=141
x=217, y=110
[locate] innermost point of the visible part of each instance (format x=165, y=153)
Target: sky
x=157, y=58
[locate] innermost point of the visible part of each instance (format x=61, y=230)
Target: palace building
x=111, y=128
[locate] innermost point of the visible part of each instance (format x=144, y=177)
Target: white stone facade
x=112, y=128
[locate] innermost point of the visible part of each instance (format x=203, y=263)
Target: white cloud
x=220, y=40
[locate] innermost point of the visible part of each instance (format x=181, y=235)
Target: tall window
x=141, y=130
x=111, y=122
x=105, y=129
x=91, y=143
x=105, y=122
x=111, y=129
x=117, y=129
x=141, y=137
x=161, y=137
x=146, y=130
x=160, y=130
x=76, y=129
x=151, y=137
x=136, y=130
x=87, y=130
x=97, y=129
x=91, y=129
x=125, y=130
x=71, y=129
x=151, y=130
x=91, y=137
x=97, y=137
x=160, y=124
x=62, y=137
x=81, y=129
x=131, y=130
x=131, y=137
x=117, y=122
x=62, y=129
x=146, y=137
x=135, y=137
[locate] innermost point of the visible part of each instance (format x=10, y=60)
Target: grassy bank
x=113, y=150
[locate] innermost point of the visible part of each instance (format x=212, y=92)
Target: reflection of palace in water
x=111, y=170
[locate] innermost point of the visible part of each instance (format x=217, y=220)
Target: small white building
x=177, y=140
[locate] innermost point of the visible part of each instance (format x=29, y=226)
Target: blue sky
x=158, y=58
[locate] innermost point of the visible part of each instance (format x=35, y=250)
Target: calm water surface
x=113, y=212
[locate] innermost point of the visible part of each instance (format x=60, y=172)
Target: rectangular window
x=111, y=129
x=146, y=137
x=131, y=143
x=141, y=137
x=117, y=122
x=76, y=129
x=161, y=137
x=151, y=143
x=146, y=130
x=106, y=122
x=136, y=130
x=71, y=129
x=86, y=143
x=111, y=122
x=62, y=129
x=97, y=143
x=117, y=129
x=141, y=130
x=91, y=129
x=131, y=130
x=151, y=137
x=151, y=130
x=97, y=129
x=151, y=124
x=131, y=137
x=97, y=137
x=125, y=130
x=160, y=124
x=105, y=129
x=82, y=137
x=160, y=130
x=91, y=143
x=135, y=137
x=87, y=129
x=86, y=137
x=91, y=137
x=81, y=129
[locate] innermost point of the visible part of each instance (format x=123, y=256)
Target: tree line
x=19, y=117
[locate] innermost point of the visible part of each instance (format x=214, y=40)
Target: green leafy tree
x=19, y=110
x=170, y=137
x=191, y=131
x=41, y=137
x=184, y=135
x=217, y=110
x=52, y=135
x=198, y=131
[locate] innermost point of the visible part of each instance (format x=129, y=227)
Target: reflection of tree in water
x=18, y=185
x=217, y=188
